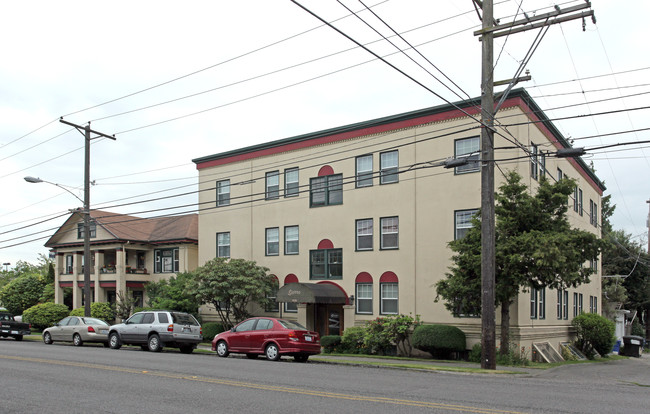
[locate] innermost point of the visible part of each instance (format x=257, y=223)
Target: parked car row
x=153, y=330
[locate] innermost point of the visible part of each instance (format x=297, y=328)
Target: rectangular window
x=93, y=230
x=326, y=264
x=364, y=298
x=533, y=303
x=223, y=244
x=223, y=193
x=580, y=308
x=559, y=304
x=388, y=167
x=272, y=306
x=389, y=298
x=595, y=304
x=463, y=222
x=560, y=175
x=273, y=241
x=580, y=201
x=541, y=298
x=591, y=304
x=533, y=161
x=291, y=240
x=565, y=305
x=575, y=304
x=575, y=199
x=272, y=185
x=69, y=264
x=364, y=171
x=290, y=307
x=166, y=260
x=389, y=233
x=467, y=147
x=364, y=234
x=291, y=187
x=325, y=191
x=591, y=212
x=542, y=165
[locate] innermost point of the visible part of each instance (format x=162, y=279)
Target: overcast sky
x=176, y=81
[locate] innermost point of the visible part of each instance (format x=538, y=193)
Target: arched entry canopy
x=311, y=293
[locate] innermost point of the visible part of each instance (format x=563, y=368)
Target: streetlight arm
x=36, y=180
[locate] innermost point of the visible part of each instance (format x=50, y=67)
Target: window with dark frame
x=389, y=167
x=326, y=264
x=389, y=233
x=93, y=230
x=223, y=193
x=291, y=240
x=326, y=190
x=272, y=185
x=363, y=171
x=272, y=241
x=463, y=148
x=166, y=260
x=580, y=201
x=364, y=234
x=533, y=161
x=291, y=186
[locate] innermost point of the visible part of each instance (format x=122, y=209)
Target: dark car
x=268, y=336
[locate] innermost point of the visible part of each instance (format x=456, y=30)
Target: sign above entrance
x=311, y=293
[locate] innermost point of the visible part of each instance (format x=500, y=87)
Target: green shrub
x=390, y=334
x=475, y=354
x=637, y=329
x=594, y=333
x=330, y=343
x=99, y=310
x=438, y=340
x=210, y=329
x=44, y=315
x=352, y=341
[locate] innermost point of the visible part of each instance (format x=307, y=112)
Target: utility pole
x=648, y=225
x=86, y=207
x=489, y=30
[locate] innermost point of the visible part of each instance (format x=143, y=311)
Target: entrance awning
x=311, y=293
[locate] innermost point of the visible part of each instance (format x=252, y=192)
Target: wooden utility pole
x=491, y=29
x=86, y=207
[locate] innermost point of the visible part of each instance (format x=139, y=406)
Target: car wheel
x=222, y=349
x=47, y=338
x=114, y=341
x=154, y=343
x=18, y=337
x=76, y=340
x=272, y=352
x=251, y=356
x=301, y=358
x=186, y=349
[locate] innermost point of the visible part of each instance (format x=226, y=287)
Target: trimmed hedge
x=352, y=341
x=44, y=315
x=99, y=310
x=594, y=333
x=210, y=329
x=330, y=343
x=438, y=340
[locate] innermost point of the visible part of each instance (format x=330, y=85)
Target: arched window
x=389, y=294
x=363, y=285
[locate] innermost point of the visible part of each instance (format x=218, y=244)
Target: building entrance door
x=329, y=319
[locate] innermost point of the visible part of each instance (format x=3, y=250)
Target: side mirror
x=232, y=329
x=123, y=320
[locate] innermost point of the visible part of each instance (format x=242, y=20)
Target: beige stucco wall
x=425, y=200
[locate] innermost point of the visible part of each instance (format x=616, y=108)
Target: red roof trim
x=290, y=278
x=325, y=244
x=325, y=170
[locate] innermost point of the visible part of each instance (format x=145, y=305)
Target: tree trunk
x=505, y=328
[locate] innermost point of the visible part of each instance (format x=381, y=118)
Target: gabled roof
x=125, y=228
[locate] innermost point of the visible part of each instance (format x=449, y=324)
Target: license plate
x=14, y=332
x=187, y=329
x=308, y=338
x=103, y=331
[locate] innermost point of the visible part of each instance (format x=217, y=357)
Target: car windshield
x=291, y=325
x=183, y=319
x=94, y=321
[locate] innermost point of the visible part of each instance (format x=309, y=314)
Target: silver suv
x=156, y=329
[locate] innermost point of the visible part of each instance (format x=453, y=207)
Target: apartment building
x=127, y=252
x=354, y=221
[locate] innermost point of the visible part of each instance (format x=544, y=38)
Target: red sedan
x=268, y=336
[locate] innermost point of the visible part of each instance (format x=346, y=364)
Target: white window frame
x=389, y=167
x=364, y=173
x=223, y=193
x=272, y=238
x=463, y=147
x=385, y=299
x=389, y=226
x=223, y=244
x=465, y=224
x=291, y=240
x=272, y=185
x=364, y=296
x=291, y=184
x=362, y=230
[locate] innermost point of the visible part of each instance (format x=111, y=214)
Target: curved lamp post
x=86, y=214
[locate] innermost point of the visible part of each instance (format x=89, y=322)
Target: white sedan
x=77, y=329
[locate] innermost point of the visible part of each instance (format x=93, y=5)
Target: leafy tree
x=173, y=294
x=535, y=248
x=22, y=293
x=123, y=305
x=230, y=285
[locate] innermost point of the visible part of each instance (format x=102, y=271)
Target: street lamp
x=86, y=214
